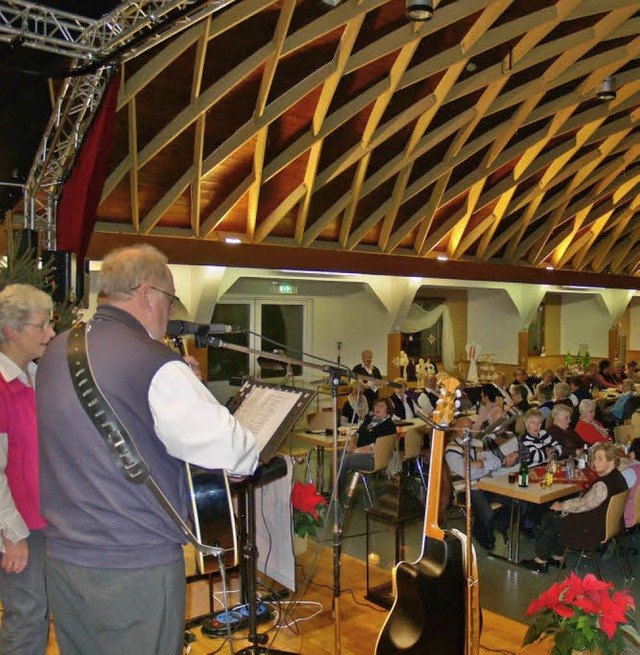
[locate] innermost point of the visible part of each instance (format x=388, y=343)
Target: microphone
x=178, y=328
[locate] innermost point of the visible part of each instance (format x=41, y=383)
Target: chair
x=622, y=433
x=548, y=422
x=519, y=428
x=382, y=449
x=298, y=455
x=614, y=525
x=413, y=450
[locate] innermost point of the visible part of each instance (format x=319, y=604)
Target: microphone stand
x=336, y=373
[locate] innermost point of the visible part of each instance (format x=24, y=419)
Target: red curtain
x=83, y=188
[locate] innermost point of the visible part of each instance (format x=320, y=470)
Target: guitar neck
x=432, y=527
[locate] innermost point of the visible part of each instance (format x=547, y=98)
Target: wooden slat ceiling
x=476, y=135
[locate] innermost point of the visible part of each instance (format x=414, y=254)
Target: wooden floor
x=360, y=621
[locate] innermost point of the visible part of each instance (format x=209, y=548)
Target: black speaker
x=63, y=272
x=27, y=242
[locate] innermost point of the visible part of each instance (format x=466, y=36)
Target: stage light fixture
x=419, y=10
x=607, y=89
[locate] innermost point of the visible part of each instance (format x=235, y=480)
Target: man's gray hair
x=18, y=302
x=125, y=269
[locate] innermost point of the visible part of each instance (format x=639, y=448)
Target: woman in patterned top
x=535, y=442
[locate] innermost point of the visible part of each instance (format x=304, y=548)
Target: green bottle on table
x=523, y=474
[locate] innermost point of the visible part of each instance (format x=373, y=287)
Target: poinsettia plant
x=583, y=614
x=309, y=508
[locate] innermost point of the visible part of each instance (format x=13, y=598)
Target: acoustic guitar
x=436, y=608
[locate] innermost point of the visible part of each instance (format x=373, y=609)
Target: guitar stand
x=249, y=557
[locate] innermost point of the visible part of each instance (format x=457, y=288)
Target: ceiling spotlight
x=607, y=89
x=419, y=10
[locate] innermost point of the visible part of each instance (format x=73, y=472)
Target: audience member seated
x=367, y=368
x=619, y=373
x=604, y=378
x=616, y=412
x=544, y=396
x=500, y=384
x=561, y=374
x=537, y=445
x=591, y=377
x=519, y=397
x=632, y=477
x=488, y=396
x=578, y=390
x=482, y=463
x=359, y=455
x=561, y=431
x=579, y=522
x=521, y=378
x=355, y=407
x=561, y=393
x=632, y=371
x=463, y=401
x=429, y=397
x=404, y=406
x=590, y=430
x=547, y=380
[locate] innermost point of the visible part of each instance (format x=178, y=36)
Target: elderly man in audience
x=404, y=406
x=632, y=477
x=519, y=397
x=482, y=463
x=561, y=393
x=521, y=378
x=500, y=383
x=590, y=430
x=545, y=400
x=578, y=390
x=579, y=522
x=561, y=431
x=429, y=397
x=616, y=411
x=537, y=444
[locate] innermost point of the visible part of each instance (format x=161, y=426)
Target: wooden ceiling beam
x=215, y=218
x=133, y=158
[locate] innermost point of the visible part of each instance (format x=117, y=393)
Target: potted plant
x=309, y=508
x=583, y=615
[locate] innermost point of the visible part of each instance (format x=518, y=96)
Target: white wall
x=493, y=322
x=584, y=319
x=634, y=326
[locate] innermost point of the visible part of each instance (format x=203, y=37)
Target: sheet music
x=263, y=410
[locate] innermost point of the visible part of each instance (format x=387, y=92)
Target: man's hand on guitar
x=194, y=365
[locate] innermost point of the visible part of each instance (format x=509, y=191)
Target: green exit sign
x=284, y=287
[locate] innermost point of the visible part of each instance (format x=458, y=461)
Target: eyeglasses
x=173, y=299
x=43, y=326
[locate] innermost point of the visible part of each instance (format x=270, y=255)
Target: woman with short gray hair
x=587, y=427
x=25, y=331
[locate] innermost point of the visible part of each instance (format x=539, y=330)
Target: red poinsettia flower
x=548, y=599
x=305, y=498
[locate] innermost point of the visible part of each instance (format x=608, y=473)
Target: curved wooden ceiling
x=476, y=135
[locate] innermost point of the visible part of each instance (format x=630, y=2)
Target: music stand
x=270, y=411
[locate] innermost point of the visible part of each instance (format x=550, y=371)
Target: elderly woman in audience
x=544, y=396
x=519, y=397
x=561, y=393
x=521, y=378
x=590, y=430
x=535, y=442
x=547, y=380
x=579, y=522
x=632, y=477
x=578, y=390
x=355, y=407
x=561, y=431
x=632, y=370
x=359, y=453
x=616, y=411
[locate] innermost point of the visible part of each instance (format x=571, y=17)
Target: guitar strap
x=116, y=436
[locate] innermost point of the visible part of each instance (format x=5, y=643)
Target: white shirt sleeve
x=12, y=524
x=194, y=426
x=425, y=404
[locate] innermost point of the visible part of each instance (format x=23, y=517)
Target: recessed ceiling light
x=549, y=268
x=232, y=240
x=442, y=258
